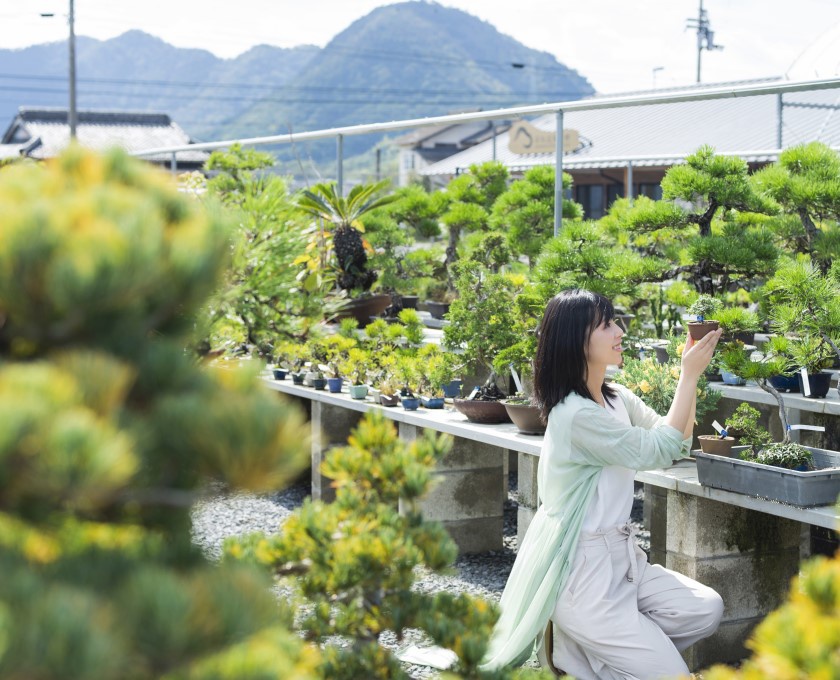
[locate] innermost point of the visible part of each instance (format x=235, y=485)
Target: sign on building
x=524, y=138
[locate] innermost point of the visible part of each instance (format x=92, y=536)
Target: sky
x=619, y=45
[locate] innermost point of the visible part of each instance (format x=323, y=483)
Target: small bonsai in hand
x=705, y=307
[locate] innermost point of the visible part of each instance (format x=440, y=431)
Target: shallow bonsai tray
x=820, y=486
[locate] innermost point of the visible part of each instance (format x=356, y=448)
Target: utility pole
x=705, y=34
x=72, y=115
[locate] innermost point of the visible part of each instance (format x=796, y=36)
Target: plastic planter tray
x=805, y=489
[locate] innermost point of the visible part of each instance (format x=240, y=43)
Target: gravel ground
x=223, y=514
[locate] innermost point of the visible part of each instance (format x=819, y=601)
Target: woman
x=615, y=615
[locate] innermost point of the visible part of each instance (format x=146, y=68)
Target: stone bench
x=745, y=548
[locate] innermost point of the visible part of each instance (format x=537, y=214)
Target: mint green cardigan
x=581, y=438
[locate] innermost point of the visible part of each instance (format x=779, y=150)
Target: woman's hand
x=696, y=356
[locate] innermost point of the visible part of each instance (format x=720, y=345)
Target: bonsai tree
x=705, y=225
x=585, y=256
x=737, y=322
x=744, y=426
x=260, y=300
x=804, y=182
x=482, y=319
x=111, y=431
x=360, y=584
x=468, y=199
x=703, y=309
x=806, y=302
x=736, y=360
x=525, y=211
x=355, y=366
x=340, y=216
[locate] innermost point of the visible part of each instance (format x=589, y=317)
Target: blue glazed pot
x=334, y=384
x=432, y=402
x=786, y=383
x=279, y=373
x=453, y=389
x=732, y=379
x=297, y=378
x=319, y=383
x=410, y=403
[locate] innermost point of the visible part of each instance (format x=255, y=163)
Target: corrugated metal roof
x=663, y=134
x=101, y=130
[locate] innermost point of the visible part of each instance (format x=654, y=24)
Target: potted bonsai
x=738, y=323
x=355, y=367
x=483, y=321
x=743, y=425
x=388, y=390
x=717, y=444
x=813, y=354
x=334, y=376
x=437, y=373
x=806, y=303
x=703, y=309
x=339, y=232
x=520, y=408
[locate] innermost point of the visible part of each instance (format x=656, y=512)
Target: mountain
x=407, y=60
x=139, y=72
x=411, y=60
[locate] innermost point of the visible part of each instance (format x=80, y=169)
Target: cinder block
x=464, y=494
x=725, y=646
x=527, y=481
x=656, y=521
x=331, y=426
x=751, y=584
x=524, y=517
x=476, y=535
x=699, y=527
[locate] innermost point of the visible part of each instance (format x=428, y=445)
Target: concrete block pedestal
x=469, y=492
x=748, y=557
x=331, y=426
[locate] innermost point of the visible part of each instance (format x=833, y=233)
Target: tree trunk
x=764, y=384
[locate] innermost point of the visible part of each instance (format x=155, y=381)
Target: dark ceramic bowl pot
x=483, y=412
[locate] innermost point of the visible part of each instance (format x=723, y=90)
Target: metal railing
x=558, y=108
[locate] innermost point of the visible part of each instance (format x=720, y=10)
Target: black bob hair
x=560, y=362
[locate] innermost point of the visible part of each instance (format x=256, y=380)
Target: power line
x=466, y=97
x=273, y=87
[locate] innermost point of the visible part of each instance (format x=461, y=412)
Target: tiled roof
x=100, y=130
x=663, y=134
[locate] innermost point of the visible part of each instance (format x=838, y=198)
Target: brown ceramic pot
x=700, y=329
x=526, y=417
x=711, y=443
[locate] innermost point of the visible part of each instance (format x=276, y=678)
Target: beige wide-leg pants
x=620, y=617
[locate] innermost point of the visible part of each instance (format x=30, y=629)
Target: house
x=627, y=151
x=425, y=146
x=42, y=133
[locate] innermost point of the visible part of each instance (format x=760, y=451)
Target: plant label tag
x=813, y=428
x=718, y=428
x=806, y=384
x=516, y=380
x=474, y=393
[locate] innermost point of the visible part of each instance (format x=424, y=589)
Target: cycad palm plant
x=342, y=215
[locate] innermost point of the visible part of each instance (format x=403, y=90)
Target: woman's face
x=604, y=346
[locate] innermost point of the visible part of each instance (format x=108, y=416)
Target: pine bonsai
x=111, y=431
x=354, y=560
x=525, y=212
x=705, y=226
x=804, y=181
